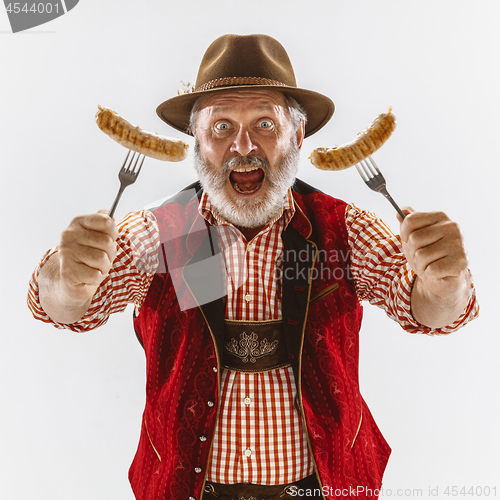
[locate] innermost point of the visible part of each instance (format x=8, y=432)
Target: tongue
x=248, y=181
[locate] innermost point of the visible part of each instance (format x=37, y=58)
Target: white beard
x=249, y=213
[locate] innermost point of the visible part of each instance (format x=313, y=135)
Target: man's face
x=246, y=154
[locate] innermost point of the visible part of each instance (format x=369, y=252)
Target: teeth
x=245, y=192
x=245, y=169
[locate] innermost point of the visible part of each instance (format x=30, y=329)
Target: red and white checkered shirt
x=259, y=437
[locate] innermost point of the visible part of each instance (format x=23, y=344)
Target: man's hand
x=435, y=250
x=70, y=278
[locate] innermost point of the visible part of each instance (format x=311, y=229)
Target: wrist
x=441, y=305
x=61, y=301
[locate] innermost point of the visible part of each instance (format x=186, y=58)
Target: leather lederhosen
x=305, y=488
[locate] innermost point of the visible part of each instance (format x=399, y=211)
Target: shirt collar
x=210, y=214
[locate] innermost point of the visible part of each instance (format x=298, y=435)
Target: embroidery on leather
x=249, y=349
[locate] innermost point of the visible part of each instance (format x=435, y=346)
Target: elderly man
x=247, y=290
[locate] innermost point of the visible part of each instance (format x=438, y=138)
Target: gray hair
x=295, y=110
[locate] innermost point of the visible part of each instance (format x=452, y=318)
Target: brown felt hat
x=234, y=62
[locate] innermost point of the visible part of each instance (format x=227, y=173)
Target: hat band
x=238, y=80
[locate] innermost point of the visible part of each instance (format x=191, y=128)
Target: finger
x=99, y=222
x=406, y=211
x=93, y=258
x=76, y=237
x=446, y=268
x=78, y=273
x=89, y=250
x=424, y=258
x=426, y=236
x=446, y=257
x=418, y=220
x=445, y=232
x=105, y=211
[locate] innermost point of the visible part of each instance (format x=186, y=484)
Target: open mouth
x=247, y=180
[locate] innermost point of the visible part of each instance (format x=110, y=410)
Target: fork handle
x=394, y=204
x=115, y=203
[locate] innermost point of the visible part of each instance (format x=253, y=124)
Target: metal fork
x=127, y=175
x=375, y=180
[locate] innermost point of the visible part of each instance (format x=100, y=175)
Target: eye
x=265, y=124
x=222, y=126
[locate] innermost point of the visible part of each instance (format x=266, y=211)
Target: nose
x=242, y=143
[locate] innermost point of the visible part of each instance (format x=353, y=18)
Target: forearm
x=435, y=311
x=60, y=304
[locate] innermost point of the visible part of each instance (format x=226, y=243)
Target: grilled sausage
x=365, y=144
x=136, y=139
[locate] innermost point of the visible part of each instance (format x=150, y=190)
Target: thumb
x=404, y=229
x=104, y=211
x=406, y=211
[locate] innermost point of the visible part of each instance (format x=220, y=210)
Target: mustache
x=249, y=160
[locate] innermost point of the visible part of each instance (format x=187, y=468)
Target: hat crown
x=258, y=56
x=239, y=62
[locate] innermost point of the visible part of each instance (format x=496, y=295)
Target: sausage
x=365, y=144
x=136, y=139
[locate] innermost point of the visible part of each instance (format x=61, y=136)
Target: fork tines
x=374, y=179
x=127, y=175
x=132, y=166
x=367, y=171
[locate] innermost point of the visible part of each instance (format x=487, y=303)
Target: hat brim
x=319, y=108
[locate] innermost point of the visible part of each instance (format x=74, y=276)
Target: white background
x=71, y=404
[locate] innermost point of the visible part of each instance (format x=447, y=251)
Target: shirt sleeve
x=127, y=282
x=383, y=276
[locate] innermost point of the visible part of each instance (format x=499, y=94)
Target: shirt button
x=210, y=403
x=215, y=369
x=197, y=470
x=192, y=498
x=248, y=452
x=203, y=438
x=247, y=401
x=248, y=297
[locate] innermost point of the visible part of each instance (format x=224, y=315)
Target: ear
x=301, y=132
